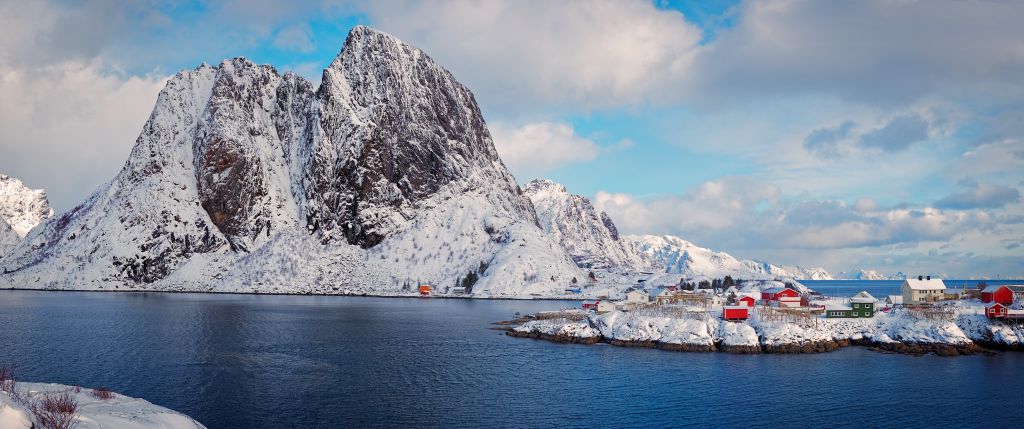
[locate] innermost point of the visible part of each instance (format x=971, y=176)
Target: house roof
x=993, y=288
x=863, y=297
x=775, y=289
x=933, y=284
x=742, y=297
x=735, y=307
x=895, y=299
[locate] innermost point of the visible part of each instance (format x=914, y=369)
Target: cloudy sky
x=885, y=134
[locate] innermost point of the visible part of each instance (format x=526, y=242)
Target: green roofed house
x=861, y=305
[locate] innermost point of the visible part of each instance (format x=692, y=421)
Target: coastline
x=900, y=333
x=812, y=347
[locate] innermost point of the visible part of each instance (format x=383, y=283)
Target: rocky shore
x=885, y=334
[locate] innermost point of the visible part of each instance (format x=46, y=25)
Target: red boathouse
x=735, y=312
x=999, y=294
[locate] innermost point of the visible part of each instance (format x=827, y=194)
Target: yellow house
x=921, y=290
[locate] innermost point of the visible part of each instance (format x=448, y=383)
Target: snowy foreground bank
x=43, y=405
x=699, y=330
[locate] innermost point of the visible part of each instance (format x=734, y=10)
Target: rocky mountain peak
x=589, y=236
x=393, y=127
x=21, y=207
x=537, y=186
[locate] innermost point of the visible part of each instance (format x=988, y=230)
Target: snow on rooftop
x=925, y=284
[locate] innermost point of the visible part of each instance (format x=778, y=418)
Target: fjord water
x=241, y=361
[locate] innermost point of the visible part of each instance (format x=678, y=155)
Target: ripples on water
x=239, y=361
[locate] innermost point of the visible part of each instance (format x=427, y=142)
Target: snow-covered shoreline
x=91, y=409
x=968, y=333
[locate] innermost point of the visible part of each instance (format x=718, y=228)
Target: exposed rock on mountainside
x=590, y=237
x=8, y=238
x=20, y=207
x=389, y=164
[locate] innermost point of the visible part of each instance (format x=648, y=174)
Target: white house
x=659, y=294
x=636, y=297
x=919, y=290
x=604, y=306
x=894, y=299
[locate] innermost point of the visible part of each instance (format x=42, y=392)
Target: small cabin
x=735, y=312
x=996, y=311
x=894, y=300
x=659, y=295
x=998, y=294
x=775, y=293
x=636, y=297
x=861, y=305
x=590, y=305
x=605, y=306
x=746, y=300
x=458, y=290
x=425, y=290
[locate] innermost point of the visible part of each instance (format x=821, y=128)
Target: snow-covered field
x=117, y=412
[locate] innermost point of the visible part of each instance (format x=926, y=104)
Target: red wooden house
x=746, y=300
x=999, y=294
x=995, y=311
x=590, y=305
x=735, y=312
x=775, y=293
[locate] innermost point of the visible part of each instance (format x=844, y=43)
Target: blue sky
x=879, y=134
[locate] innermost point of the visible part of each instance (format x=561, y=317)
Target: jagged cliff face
x=391, y=128
x=588, y=236
x=236, y=155
x=22, y=208
x=8, y=238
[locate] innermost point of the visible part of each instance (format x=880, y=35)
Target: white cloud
x=750, y=218
x=69, y=127
x=881, y=51
x=534, y=149
x=532, y=53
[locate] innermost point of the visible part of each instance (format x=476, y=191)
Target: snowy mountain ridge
x=679, y=256
x=590, y=238
x=384, y=175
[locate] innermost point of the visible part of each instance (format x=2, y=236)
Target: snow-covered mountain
x=588, y=236
x=22, y=208
x=679, y=256
x=861, y=274
x=383, y=176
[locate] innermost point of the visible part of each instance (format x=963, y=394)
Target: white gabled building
x=921, y=290
x=636, y=297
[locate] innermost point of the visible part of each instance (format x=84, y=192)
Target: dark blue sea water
x=240, y=361
x=880, y=288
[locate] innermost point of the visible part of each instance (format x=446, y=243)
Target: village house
x=659, y=295
x=861, y=305
x=605, y=306
x=746, y=300
x=1000, y=294
x=923, y=290
x=735, y=312
x=782, y=296
x=600, y=306
x=894, y=300
x=636, y=297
